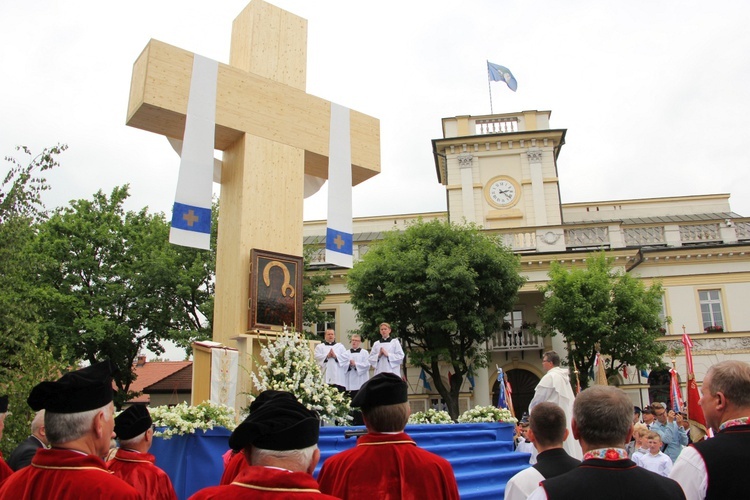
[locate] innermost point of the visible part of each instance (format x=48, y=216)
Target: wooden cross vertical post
x=272, y=133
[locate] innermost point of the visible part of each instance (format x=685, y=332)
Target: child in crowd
x=639, y=445
x=655, y=460
x=522, y=443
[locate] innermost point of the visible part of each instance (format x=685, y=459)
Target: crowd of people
x=628, y=451
x=276, y=446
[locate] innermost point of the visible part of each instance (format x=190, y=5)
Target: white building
x=500, y=171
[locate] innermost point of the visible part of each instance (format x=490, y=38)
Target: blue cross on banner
x=338, y=241
x=190, y=218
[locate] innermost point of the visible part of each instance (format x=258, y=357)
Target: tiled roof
x=179, y=381
x=153, y=372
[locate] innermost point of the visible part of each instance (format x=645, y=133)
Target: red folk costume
x=139, y=470
x=266, y=483
x=237, y=463
x=64, y=474
x=5, y=470
x=388, y=467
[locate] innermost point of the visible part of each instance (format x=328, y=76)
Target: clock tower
x=500, y=171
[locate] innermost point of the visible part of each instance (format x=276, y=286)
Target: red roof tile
x=153, y=372
x=179, y=381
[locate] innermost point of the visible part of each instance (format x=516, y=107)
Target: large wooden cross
x=271, y=131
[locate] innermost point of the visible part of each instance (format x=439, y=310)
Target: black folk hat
x=277, y=421
x=381, y=390
x=132, y=421
x=75, y=392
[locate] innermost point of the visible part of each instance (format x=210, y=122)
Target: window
x=330, y=322
x=514, y=319
x=713, y=318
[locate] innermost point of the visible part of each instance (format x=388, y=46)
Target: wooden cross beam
x=271, y=131
x=246, y=103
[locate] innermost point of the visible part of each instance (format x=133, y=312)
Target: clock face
x=502, y=193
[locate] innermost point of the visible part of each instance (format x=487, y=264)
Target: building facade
x=500, y=171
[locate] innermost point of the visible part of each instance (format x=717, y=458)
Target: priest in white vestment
x=555, y=388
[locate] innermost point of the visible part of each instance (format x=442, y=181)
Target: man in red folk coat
x=386, y=463
x=79, y=420
x=5, y=470
x=279, y=439
x=132, y=462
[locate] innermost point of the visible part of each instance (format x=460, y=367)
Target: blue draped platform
x=482, y=455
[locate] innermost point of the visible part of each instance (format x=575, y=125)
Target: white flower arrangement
x=431, y=416
x=184, y=419
x=486, y=414
x=290, y=367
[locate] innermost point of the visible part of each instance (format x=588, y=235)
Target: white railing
x=699, y=233
x=515, y=340
x=644, y=236
x=587, y=237
x=496, y=126
x=520, y=241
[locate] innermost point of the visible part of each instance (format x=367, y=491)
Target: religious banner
x=509, y=398
x=675, y=394
x=191, y=214
x=224, y=366
x=275, y=291
x=502, y=401
x=339, y=244
x=698, y=427
x=600, y=376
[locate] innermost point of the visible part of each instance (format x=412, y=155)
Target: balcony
x=515, y=340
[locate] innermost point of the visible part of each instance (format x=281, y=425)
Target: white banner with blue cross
x=191, y=215
x=339, y=248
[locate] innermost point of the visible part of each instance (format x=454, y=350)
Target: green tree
x=24, y=358
x=445, y=289
x=116, y=286
x=314, y=291
x=21, y=209
x=33, y=363
x=599, y=309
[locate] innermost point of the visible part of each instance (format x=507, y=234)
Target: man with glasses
x=672, y=434
x=555, y=388
x=714, y=468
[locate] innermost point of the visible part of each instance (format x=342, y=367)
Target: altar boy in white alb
x=387, y=355
x=331, y=357
x=358, y=368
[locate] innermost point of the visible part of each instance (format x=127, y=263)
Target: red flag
x=509, y=399
x=695, y=412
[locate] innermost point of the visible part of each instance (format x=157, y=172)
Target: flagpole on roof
x=489, y=86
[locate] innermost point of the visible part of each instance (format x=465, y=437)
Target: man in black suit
x=25, y=451
x=547, y=430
